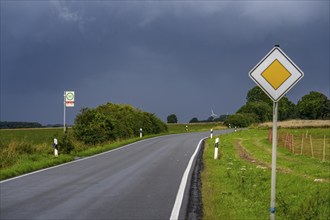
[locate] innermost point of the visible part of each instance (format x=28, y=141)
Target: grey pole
x=274, y=145
x=64, y=113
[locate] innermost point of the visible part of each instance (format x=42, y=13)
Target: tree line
x=259, y=108
x=18, y=124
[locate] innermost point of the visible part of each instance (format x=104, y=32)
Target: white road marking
x=179, y=196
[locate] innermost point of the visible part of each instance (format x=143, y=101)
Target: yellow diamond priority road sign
x=276, y=74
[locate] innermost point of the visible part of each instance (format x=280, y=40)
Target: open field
x=32, y=135
x=298, y=124
x=237, y=186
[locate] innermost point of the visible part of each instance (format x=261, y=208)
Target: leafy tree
x=314, y=105
x=194, y=120
x=263, y=112
x=210, y=119
x=92, y=127
x=19, y=124
x=172, y=119
x=222, y=118
x=258, y=95
x=286, y=109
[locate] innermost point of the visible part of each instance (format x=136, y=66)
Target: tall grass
x=299, y=124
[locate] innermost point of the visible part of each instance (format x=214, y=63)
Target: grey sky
x=164, y=57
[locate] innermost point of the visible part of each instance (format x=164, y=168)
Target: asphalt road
x=138, y=181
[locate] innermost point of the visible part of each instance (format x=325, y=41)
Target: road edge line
x=179, y=196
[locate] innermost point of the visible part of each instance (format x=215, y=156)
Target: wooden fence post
x=302, y=144
x=312, y=150
x=292, y=143
x=270, y=133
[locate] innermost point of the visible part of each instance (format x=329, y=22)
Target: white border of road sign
x=296, y=74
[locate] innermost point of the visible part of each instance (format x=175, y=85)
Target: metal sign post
x=274, y=146
x=64, y=113
x=275, y=74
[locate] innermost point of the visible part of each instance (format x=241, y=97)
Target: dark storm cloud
x=163, y=57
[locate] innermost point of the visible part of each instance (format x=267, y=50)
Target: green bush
x=66, y=144
x=241, y=120
x=110, y=122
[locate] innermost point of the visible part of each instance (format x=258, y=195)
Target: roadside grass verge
x=237, y=186
x=29, y=163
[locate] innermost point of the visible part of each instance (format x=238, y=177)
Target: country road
x=137, y=181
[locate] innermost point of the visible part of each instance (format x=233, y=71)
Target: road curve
x=138, y=181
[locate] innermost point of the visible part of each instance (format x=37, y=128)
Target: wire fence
x=316, y=146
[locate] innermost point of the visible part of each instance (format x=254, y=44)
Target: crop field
x=32, y=135
x=237, y=185
x=298, y=124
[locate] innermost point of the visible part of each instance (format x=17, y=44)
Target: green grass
x=33, y=136
x=30, y=163
x=238, y=188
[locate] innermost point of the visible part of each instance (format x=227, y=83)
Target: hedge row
x=112, y=122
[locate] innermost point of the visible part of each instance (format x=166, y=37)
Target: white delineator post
x=55, y=147
x=273, y=180
x=211, y=134
x=140, y=132
x=216, y=148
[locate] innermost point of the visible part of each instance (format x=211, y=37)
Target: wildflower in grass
x=261, y=167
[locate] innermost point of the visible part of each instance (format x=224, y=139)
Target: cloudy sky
x=164, y=57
